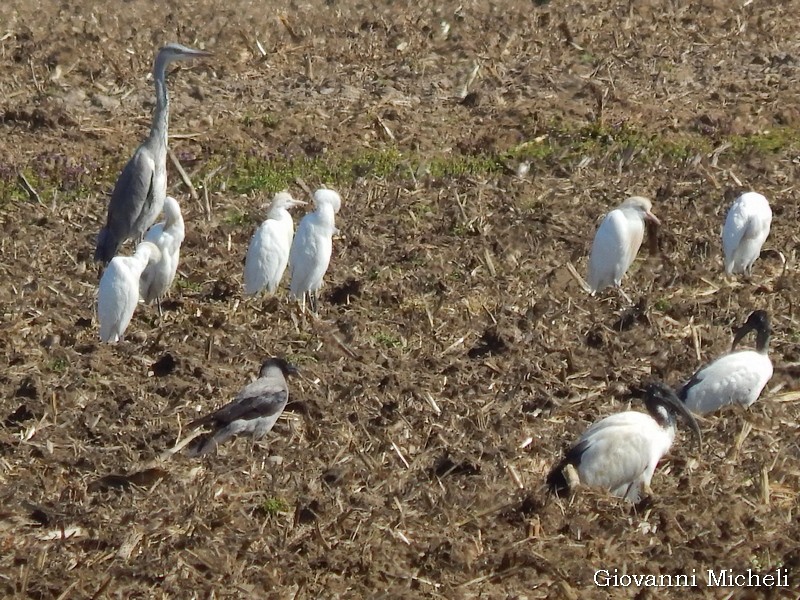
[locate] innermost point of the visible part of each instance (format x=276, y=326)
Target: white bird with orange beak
x=617, y=242
x=312, y=247
x=118, y=292
x=168, y=235
x=746, y=229
x=268, y=253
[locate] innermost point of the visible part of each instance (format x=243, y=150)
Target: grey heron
x=142, y=186
x=253, y=412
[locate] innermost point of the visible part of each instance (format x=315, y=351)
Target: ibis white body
x=746, y=229
x=738, y=377
x=168, y=235
x=735, y=378
x=617, y=243
x=118, y=294
x=312, y=246
x=621, y=453
x=268, y=252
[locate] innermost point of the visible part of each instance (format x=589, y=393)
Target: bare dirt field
x=455, y=357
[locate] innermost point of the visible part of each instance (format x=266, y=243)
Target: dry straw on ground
x=456, y=355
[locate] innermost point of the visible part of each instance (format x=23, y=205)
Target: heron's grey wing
x=132, y=192
x=263, y=398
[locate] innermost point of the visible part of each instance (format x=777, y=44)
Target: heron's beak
x=297, y=202
x=652, y=218
x=197, y=53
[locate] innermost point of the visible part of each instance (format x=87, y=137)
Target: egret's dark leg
x=313, y=302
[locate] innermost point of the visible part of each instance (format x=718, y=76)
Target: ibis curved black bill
x=661, y=395
x=758, y=321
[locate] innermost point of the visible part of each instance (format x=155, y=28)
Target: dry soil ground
x=455, y=356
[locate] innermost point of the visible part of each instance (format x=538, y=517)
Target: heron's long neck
x=161, y=113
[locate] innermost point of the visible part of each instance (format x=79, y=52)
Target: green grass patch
x=235, y=217
x=765, y=142
x=59, y=365
x=273, y=506
x=69, y=179
x=662, y=305
x=253, y=174
x=188, y=286
x=387, y=340
x=297, y=359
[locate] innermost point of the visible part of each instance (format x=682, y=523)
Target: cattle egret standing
x=312, y=246
x=746, y=229
x=142, y=186
x=617, y=242
x=734, y=378
x=253, y=412
x=620, y=453
x=119, y=290
x=168, y=236
x=268, y=253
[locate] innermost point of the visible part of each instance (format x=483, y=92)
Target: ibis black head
x=663, y=405
x=285, y=367
x=758, y=321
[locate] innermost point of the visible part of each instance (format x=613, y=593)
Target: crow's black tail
x=202, y=445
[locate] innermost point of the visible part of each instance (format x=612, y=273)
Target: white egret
x=312, y=246
x=617, y=242
x=253, y=412
x=734, y=378
x=118, y=294
x=746, y=229
x=620, y=453
x=268, y=253
x=168, y=236
x=142, y=186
